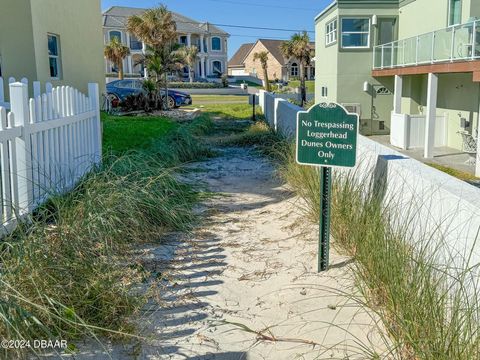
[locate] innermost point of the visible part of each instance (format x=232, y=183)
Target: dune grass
x=68, y=273
x=428, y=310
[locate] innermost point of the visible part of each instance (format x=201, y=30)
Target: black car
x=118, y=90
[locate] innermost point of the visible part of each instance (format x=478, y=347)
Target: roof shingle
x=240, y=55
x=116, y=16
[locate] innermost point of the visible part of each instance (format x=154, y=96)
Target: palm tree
x=157, y=29
x=115, y=51
x=298, y=47
x=263, y=57
x=169, y=59
x=190, y=54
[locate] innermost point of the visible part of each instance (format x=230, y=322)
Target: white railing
x=47, y=144
x=455, y=43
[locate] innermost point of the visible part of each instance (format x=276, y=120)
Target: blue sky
x=285, y=14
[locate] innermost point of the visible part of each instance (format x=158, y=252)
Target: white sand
x=253, y=263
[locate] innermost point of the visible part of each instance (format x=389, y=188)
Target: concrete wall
x=285, y=117
x=427, y=201
x=79, y=26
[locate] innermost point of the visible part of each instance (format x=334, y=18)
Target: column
x=144, y=48
x=203, y=75
x=208, y=71
x=477, y=164
x=397, y=96
x=189, y=40
x=431, y=115
x=130, y=64
x=201, y=43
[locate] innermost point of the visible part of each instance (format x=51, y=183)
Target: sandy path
x=252, y=263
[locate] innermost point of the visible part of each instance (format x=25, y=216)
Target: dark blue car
x=118, y=90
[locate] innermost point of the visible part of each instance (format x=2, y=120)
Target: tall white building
x=211, y=41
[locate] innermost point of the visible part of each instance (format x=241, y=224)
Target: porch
x=442, y=155
x=436, y=93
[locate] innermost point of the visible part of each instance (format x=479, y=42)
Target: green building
x=410, y=68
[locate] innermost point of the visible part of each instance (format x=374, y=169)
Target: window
x=294, y=69
x=217, y=67
x=355, y=33
x=386, y=30
x=138, y=84
x=324, y=91
x=135, y=44
x=115, y=34
x=331, y=32
x=216, y=44
x=455, y=12
x=54, y=56
x=183, y=40
x=125, y=84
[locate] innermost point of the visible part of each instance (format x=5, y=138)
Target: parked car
x=118, y=90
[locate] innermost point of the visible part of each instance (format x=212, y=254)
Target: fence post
x=23, y=177
x=275, y=113
x=94, y=96
x=37, y=91
x=2, y=93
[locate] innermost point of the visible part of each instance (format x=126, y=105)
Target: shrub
x=195, y=85
x=66, y=274
x=225, y=80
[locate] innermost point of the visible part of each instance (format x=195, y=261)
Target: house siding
x=79, y=26
x=24, y=47
x=16, y=40
x=275, y=70
x=344, y=71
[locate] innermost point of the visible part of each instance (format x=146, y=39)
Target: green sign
x=327, y=136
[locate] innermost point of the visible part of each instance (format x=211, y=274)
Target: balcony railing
x=455, y=43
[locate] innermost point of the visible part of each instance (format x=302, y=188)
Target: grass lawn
x=208, y=99
x=453, y=172
x=231, y=111
x=309, y=83
x=123, y=133
x=249, y=83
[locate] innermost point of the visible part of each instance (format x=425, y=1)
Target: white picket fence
x=47, y=143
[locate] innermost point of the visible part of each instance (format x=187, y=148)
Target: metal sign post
x=326, y=137
x=325, y=174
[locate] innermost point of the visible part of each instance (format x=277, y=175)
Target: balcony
x=453, y=44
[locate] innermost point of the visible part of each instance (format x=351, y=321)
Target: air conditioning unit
x=353, y=108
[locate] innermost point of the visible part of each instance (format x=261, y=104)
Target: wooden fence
x=47, y=143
